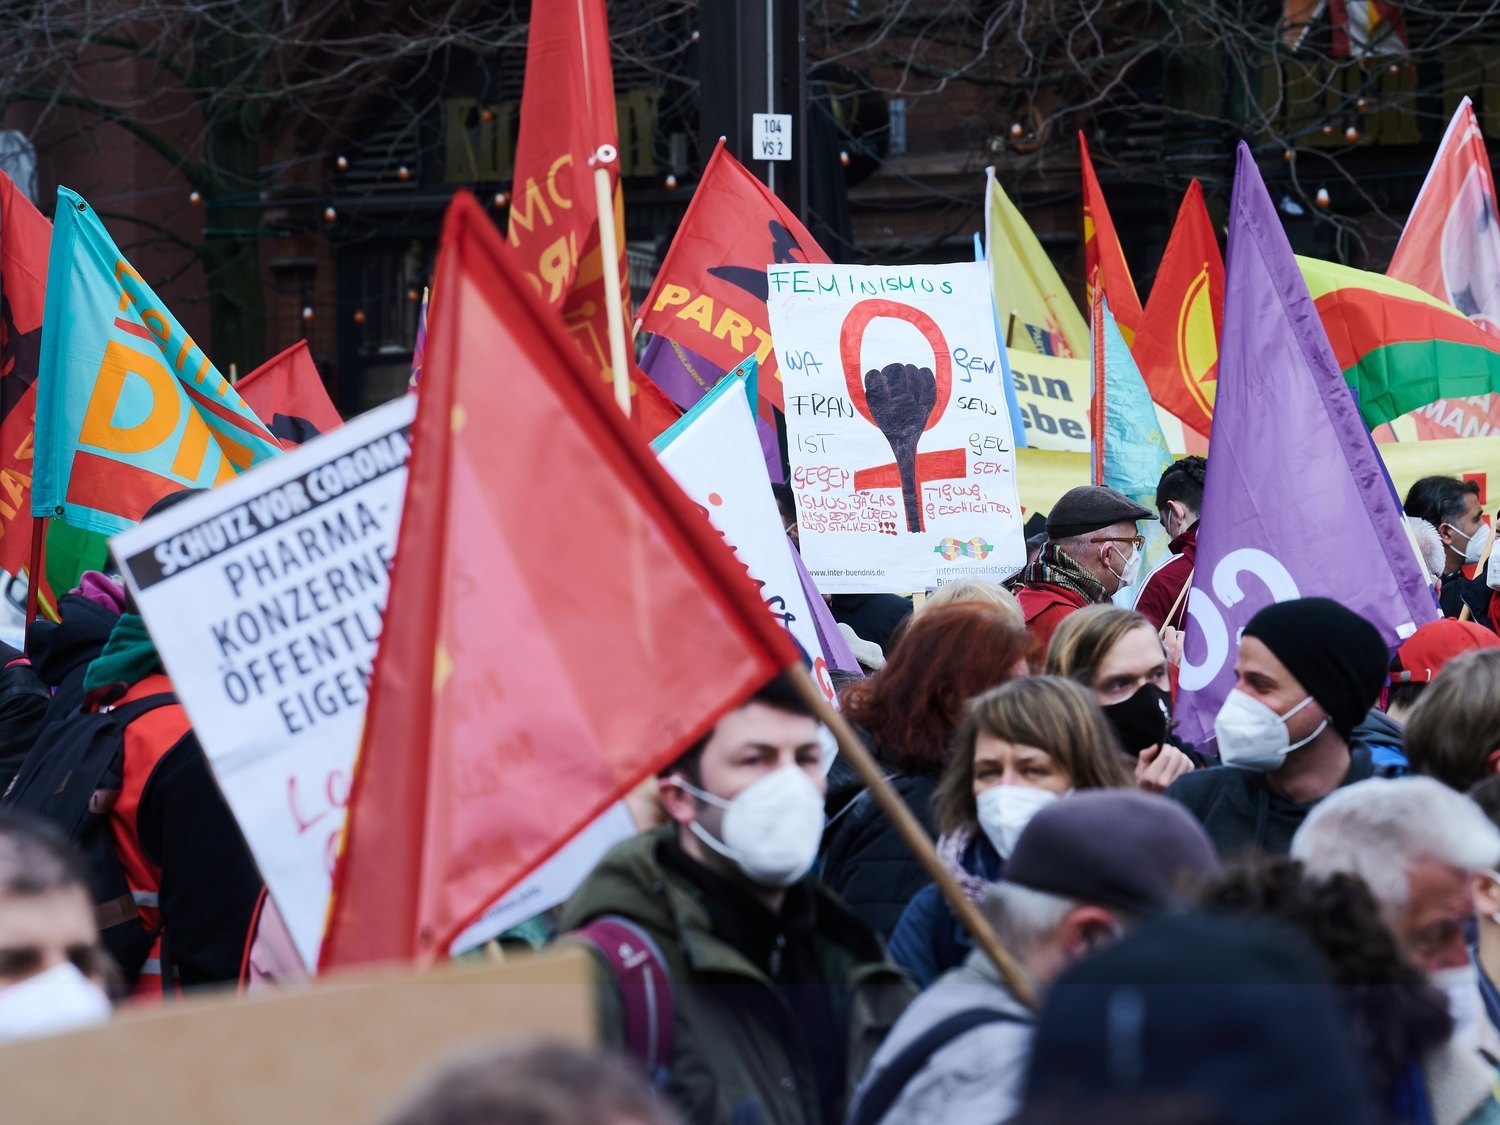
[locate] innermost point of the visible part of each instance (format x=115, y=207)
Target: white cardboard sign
x=903, y=463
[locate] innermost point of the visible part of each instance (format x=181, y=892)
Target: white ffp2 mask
x=1253, y=736
x=1005, y=810
x=771, y=829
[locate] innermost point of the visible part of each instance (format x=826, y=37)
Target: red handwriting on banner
x=323, y=805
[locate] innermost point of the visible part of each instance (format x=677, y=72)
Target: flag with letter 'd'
x=288, y=393
x=710, y=293
x=128, y=406
x=1104, y=259
x=1178, y=345
x=562, y=621
x=24, y=237
x=1026, y=283
x=1292, y=469
x=567, y=116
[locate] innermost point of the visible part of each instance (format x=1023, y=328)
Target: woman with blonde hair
x=1117, y=655
x=1023, y=745
x=973, y=590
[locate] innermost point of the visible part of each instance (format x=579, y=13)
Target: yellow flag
x=1026, y=283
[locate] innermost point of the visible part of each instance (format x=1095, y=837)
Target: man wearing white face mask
x=52, y=966
x=776, y=993
x=1307, y=672
x=1452, y=506
x=1424, y=851
x=1093, y=550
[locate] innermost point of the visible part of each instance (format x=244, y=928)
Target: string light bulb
x=486, y=115
x=501, y=199
x=359, y=316
x=1323, y=198
x=671, y=182
x=195, y=198
x=1362, y=104
x=1016, y=129
x=844, y=159
x=1328, y=130
x=342, y=163
x=403, y=173
x=330, y=215
x=1289, y=155
x=307, y=312
x=1351, y=134
x=414, y=295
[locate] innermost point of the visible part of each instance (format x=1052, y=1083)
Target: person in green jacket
x=780, y=996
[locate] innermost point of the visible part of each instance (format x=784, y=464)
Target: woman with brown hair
x=1023, y=745
x=1117, y=655
x=908, y=712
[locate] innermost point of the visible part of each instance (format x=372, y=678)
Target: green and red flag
x=1398, y=347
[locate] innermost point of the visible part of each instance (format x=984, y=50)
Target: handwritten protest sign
x=265, y=599
x=903, y=463
x=714, y=454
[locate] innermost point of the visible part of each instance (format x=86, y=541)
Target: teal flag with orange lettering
x=129, y=408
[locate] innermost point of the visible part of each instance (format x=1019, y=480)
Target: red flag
x=1102, y=254
x=1177, y=348
x=567, y=116
x=652, y=411
x=710, y=294
x=288, y=394
x=25, y=237
x=562, y=621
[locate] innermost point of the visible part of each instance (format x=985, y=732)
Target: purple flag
x=835, y=647
x=686, y=377
x=1295, y=503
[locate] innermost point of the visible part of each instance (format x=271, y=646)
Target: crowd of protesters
x=1298, y=923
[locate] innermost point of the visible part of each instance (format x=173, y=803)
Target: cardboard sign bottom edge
x=344, y=1050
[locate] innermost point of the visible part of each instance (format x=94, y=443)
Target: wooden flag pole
x=609, y=249
x=1467, y=614
x=915, y=837
x=34, y=569
x=1171, y=613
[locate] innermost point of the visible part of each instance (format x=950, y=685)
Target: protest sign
x=903, y=463
x=340, y=1051
x=714, y=455
x=286, y=571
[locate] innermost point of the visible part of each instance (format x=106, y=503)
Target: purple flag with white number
x=1296, y=503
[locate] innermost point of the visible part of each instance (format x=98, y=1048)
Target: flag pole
x=1171, y=613
x=609, y=249
x=34, y=569
x=915, y=837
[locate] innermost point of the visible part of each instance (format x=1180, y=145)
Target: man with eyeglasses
x=1093, y=550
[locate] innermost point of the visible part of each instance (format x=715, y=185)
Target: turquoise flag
x=1129, y=452
x=128, y=407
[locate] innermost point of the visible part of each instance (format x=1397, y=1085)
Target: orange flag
x=1102, y=254
x=567, y=117
x=710, y=293
x=562, y=621
x=1178, y=345
x=288, y=394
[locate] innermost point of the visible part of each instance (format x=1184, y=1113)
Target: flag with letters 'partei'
x=1289, y=455
x=128, y=406
x=562, y=621
x=710, y=293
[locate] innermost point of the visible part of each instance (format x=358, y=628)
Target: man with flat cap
x=1307, y=672
x=1092, y=551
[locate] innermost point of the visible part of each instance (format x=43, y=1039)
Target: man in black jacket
x=1308, y=671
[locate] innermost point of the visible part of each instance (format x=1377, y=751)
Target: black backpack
x=73, y=778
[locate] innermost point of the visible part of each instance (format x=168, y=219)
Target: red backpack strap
x=640, y=973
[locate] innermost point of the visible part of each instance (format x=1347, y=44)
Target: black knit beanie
x=1333, y=652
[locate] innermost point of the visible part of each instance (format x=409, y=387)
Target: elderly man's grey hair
x=1377, y=829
